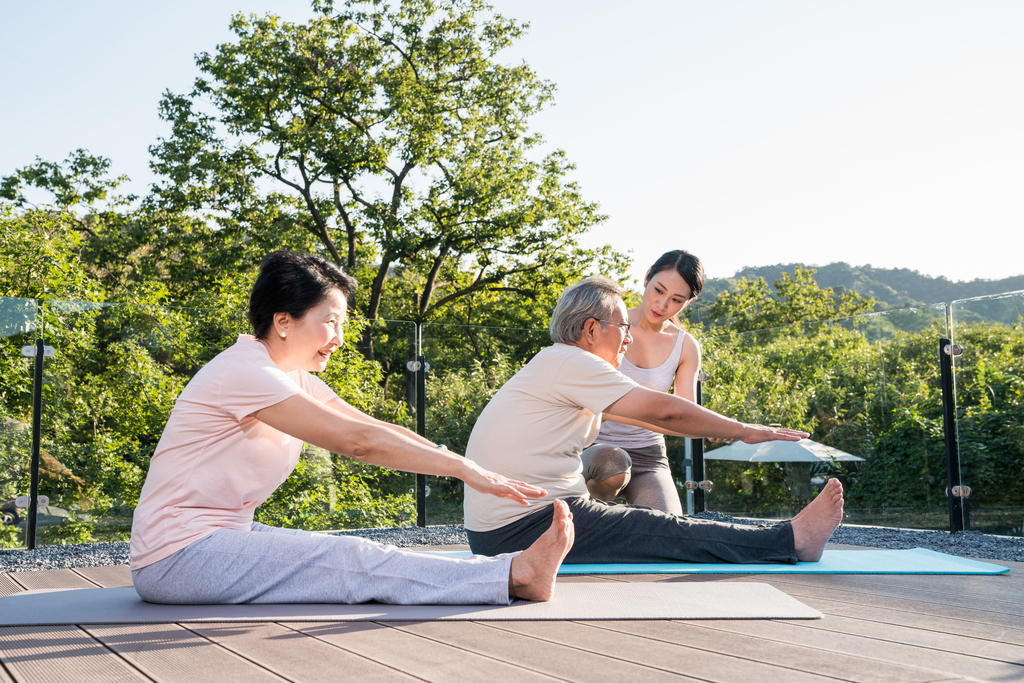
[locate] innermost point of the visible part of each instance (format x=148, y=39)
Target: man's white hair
x=595, y=297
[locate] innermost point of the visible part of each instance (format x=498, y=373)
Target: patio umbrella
x=804, y=450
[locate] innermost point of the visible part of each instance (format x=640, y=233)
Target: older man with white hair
x=539, y=422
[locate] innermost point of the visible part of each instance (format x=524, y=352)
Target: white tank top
x=658, y=379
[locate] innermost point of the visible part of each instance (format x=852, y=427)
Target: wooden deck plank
x=60, y=654
x=4, y=676
x=296, y=656
x=884, y=646
x=766, y=659
x=54, y=579
x=663, y=653
x=989, y=593
x=169, y=653
x=906, y=616
x=423, y=658
x=991, y=645
x=114, y=576
x=8, y=586
x=1009, y=594
x=886, y=597
x=929, y=607
x=590, y=664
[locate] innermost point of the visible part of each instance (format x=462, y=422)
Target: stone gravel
x=965, y=544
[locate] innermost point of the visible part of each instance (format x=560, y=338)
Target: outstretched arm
x=340, y=428
x=674, y=415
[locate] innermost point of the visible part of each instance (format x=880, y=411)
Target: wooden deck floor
x=877, y=629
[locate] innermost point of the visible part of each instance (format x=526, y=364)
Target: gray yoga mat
x=576, y=601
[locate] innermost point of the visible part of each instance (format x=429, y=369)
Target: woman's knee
x=151, y=588
x=604, y=461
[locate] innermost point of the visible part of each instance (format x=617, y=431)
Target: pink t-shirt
x=215, y=463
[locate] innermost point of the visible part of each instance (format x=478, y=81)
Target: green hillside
x=890, y=287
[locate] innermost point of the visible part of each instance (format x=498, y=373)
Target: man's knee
x=603, y=461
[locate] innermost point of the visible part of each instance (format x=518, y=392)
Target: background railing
x=989, y=377
x=869, y=386
x=18, y=325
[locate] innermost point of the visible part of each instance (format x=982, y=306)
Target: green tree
x=388, y=138
x=797, y=298
x=122, y=357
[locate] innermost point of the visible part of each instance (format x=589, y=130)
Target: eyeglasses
x=625, y=326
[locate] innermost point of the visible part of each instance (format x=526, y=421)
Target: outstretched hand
x=759, y=434
x=495, y=484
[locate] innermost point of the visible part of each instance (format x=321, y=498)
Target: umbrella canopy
x=804, y=450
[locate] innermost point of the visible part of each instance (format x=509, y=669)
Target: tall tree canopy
x=387, y=137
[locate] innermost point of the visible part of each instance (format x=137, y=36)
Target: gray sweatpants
x=626, y=533
x=272, y=565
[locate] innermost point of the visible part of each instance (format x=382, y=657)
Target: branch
x=279, y=174
x=350, y=228
x=396, y=195
x=481, y=282
x=355, y=195
x=428, y=288
x=405, y=57
x=321, y=224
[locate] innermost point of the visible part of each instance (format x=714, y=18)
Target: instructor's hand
x=760, y=434
x=486, y=481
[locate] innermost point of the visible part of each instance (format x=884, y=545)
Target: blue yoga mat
x=916, y=561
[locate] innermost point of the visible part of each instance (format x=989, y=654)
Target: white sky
x=748, y=132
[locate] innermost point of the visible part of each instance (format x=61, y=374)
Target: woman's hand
x=486, y=481
x=759, y=434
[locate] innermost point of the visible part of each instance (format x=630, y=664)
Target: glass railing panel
x=866, y=388
x=108, y=390
x=468, y=364
x=989, y=387
x=18, y=318
x=370, y=373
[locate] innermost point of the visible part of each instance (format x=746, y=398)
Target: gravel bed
x=964, y=544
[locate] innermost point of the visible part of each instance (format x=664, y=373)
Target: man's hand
x=759, y=434
x=486, y=481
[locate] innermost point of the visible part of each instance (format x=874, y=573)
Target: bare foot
x=532, y=576
x=814, y=525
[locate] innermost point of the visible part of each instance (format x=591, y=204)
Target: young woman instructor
x=234, y=436
x=629, y=460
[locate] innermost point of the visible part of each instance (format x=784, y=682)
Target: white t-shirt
x=215, y=463
x=535, y=428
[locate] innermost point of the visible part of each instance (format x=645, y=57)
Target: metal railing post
x=954, y=490
x=37, y=421
x=421, y=429
x=697, y=454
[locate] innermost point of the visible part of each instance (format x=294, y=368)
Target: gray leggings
x=271, y=565
x=650, y=483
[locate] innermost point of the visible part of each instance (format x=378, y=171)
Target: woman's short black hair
x=293, y=283
x=686, y=264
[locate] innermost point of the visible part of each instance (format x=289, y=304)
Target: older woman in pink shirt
x=234, y=436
